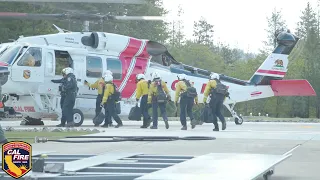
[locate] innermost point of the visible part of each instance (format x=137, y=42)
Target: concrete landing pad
x=219, y=166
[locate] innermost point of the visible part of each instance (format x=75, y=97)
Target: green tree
x=203, y=32
x=308, y=22
x=177, y=38
x=275, y=25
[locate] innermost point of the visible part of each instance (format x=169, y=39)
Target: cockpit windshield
x=9, y=54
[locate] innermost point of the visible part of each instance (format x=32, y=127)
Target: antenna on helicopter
x=59, y=29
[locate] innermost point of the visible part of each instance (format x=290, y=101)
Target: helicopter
x=27, y=87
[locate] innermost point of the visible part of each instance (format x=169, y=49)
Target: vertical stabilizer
x=275, y=65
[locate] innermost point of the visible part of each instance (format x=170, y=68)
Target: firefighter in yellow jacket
x=187, y=99
x=216, y=100
x=158, y=97
x=142, y=91
x=109, y=103
x=99, y=84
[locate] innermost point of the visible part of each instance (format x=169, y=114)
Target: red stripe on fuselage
x=140, y=67
x=271, y=72
x=126, y=57
x=3, y=64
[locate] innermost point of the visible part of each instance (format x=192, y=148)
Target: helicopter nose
x=4, y=73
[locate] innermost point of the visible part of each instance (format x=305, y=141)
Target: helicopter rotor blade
x=85, y=17
x=137, y=18
x=83, y=1
x=14, y=15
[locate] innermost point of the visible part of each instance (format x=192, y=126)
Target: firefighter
x=68, y=91
x=109, y=103
x=186, y=101
x=216, y=100
x=158, y=96
x=142, y=91
x=99, y=85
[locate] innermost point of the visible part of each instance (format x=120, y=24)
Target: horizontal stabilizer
x=292, y=87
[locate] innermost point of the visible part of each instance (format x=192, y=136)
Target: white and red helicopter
x=28, y=90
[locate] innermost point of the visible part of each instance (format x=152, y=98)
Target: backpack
x=161, y=95
x=191, y=91
x=220, y=89
x=116, y=96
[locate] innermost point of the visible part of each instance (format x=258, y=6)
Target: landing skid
x=238, y=120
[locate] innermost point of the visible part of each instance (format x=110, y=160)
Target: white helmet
x=106, y=73
x=67, y=70
x=140, y=76
x=156, y=75
x=182, y=77
x=108, y=78
x=214, y=76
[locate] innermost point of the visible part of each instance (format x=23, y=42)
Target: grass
x=29, y=136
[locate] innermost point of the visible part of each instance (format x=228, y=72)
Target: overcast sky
x=240, y=23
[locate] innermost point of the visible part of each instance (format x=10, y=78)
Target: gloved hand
x=101, y=105
x=137, y=100
x=86, y=82
x=169, y=97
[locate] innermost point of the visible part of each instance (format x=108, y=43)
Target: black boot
x=216, y=127
x=193, y=124
x=167, y=124
x=60, y=125
x=70, y=124
x=146, y=123
x=153, y=127
x=118, y=125
x=184, y=128
x=105, y=125
x=224, y=125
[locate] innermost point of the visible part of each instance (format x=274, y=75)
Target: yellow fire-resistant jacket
x=109, y=90
x=98, y=85
x=153, y=91
x=181, y=87
x=211, y=84
x=142, y=88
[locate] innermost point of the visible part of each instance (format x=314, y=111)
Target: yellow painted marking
x=307, y=126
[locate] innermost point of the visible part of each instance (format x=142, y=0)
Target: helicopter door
x=30, y=67
x=49, y=63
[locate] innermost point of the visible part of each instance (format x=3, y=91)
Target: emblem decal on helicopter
x=26, y=74
x=278, y=65
x=16, y=158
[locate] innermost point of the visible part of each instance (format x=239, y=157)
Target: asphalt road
x=258, y=138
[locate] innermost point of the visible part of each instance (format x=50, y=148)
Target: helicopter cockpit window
x=9, y=54
x=31, y=58
x=161, y=59
x=94, y=67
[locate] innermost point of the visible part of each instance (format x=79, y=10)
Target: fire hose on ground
x=90, y=139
